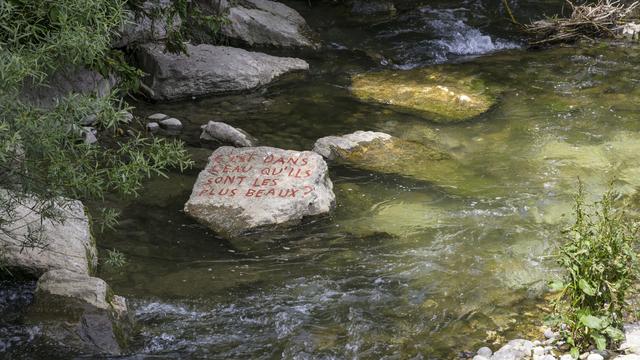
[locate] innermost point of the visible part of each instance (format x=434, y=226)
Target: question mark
x=308, y=189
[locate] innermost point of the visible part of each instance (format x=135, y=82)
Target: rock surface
x=383, y=153
x=264, y=22
x=66, y=81
x=438, y=96
x=209, y=69
x=631, y=343
x=140, y=28
x=513, y=350
x=79, y=312
x=246, y=188
x=227, y=134
x=69, y=245
x=171, y=124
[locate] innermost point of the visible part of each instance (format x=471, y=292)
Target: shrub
x=601, y=265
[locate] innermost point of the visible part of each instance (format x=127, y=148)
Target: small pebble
x=583, y=356
x=595, y=356
x=157, y=117
x=549, y=334
x=485, y=352
x=566, y=357
x=153, y=127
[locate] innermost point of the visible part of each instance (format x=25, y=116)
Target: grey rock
x=209, y=69
x=480, y=357
x=89, y=135
x=69, y=244
x=247, y=188
x=327, y=146
x=631, y=343
x=594, y=356
x=89, y=120
x=79, y=312
x=485, y=351
x=566, y=357
x=157, y=117
x=264, y=22
x=630, y=31
x=171, y=124
x=549, y=334
x=627, y=357
x=64, y=82
x=140, y=28
x=153, y=127
x=514, y=350
x=225, y=133
x=546, y=357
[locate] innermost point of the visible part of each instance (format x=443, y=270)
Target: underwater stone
x=171, y=124
x=383, y=153
x=225, y=133
x=246, y=188
x=438, y=96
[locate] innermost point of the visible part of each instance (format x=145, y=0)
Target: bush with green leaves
x=600, y=266
x=42, y=155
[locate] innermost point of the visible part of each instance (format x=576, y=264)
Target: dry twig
x=586, y=21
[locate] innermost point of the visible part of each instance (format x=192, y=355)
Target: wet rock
x=514, y=350
x=631, y=343
x=79, y=312
x=69, y=245
x=485, y=351
x=226, y=134
x=246, y=188
x=157, y=117
x=153, y=127
x=208, y=69
x=264, y=22
x=383, y=153
x=438, y=96
x=171, y=124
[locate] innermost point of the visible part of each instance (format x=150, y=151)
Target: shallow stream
x=402, y=268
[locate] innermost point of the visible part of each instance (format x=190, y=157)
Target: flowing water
x=402, y=268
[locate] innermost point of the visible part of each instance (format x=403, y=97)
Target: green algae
x=440, y=96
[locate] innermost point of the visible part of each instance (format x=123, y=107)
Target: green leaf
x=556, y=286
x=586, y=287
x=614, y=333
x=600, y=340
x=593, y=322
x=575, y=353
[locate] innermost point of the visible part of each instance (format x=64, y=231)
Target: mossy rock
x=414, y=160
x=436, y=95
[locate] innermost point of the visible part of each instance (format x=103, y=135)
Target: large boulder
x=208, y=69
x=64, y=82
x=437, y=95
x=270, y=23
x=66, y=244
x=383, y=153
x=246, y=188
x=80, y=313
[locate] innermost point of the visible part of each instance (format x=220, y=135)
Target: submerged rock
x=264, y=22
x=80, y=313
x=436, y=95
x=227, y=134
x=383, y=153
x=208, y=69
x=246, y=188
x=66, y=245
